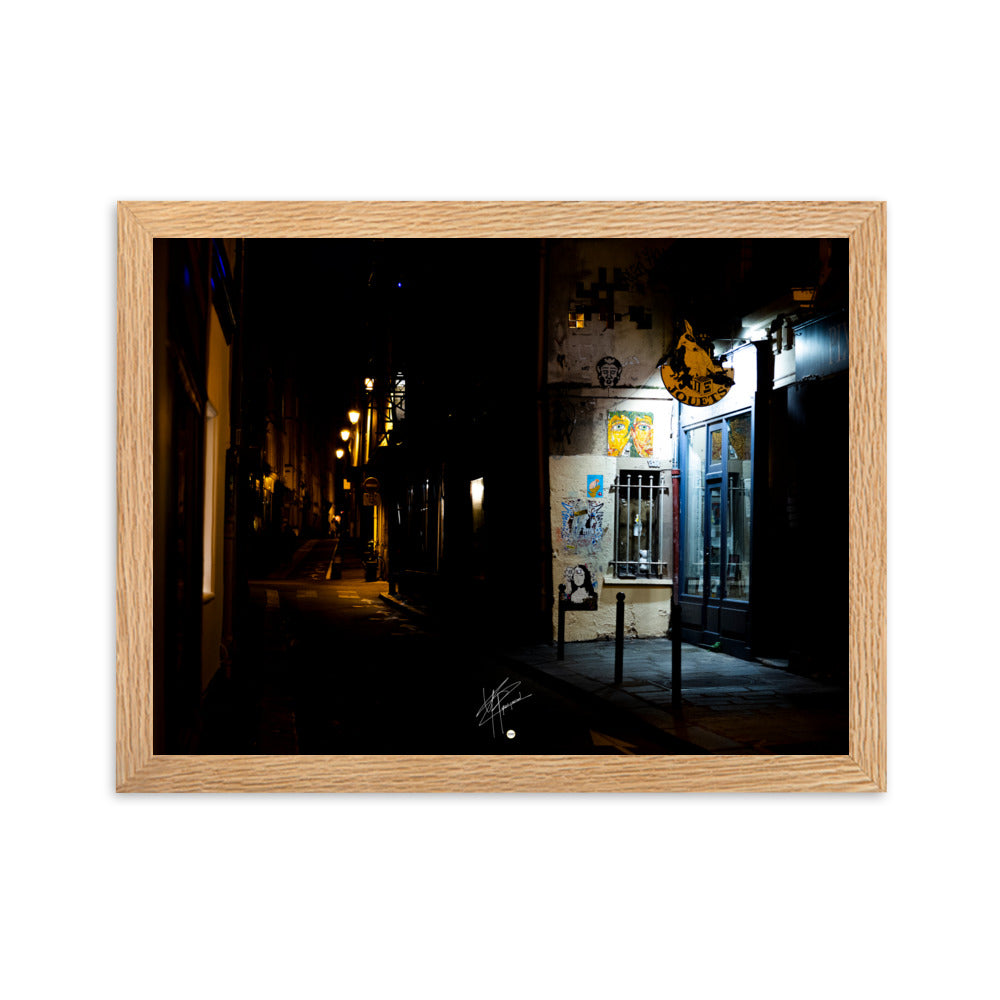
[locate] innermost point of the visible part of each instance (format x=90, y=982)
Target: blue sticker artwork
x=595, y=487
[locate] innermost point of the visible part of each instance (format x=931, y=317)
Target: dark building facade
x=452, y=414
x=197, y=308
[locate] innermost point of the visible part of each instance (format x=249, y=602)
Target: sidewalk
x=729, y=705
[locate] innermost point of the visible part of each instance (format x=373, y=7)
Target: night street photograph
x=500, y=496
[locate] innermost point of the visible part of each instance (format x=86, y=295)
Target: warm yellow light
x=340, y=453
x=476, y=490
x=354, y=416
x=345, y=434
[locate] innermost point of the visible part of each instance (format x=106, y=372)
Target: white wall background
x=479, y=896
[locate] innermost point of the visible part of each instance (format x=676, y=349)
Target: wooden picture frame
x=863, y=768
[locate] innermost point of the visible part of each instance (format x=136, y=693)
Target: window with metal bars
x=639, y=526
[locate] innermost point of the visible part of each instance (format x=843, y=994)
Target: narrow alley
x=335, y=667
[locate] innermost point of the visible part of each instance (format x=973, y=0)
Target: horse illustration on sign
x=690, y=374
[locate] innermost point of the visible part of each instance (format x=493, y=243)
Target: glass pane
x=739, y=439
x=649, y=550
x=637, y=529
x=715, y=541
x=716, y=436
x=625, y=508
x=739, y=510
x=694, y=506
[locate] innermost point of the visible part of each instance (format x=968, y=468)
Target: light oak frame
x=863, y=768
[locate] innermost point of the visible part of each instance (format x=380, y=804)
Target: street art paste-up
x=642, y=434
x=595, y=487
x=690, y=374
x=609, y=371
x=582, y=526
x=630, y=433
x=619, y=432
x=580, y=592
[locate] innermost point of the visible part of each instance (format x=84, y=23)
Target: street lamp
x=340, y=453
x=345, y=434
x=354, y=416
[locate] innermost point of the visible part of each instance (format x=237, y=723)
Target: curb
x=404, y=607
x=621, y=716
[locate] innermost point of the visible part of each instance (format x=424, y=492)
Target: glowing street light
x=345, y=434
x=354, y=416
x=339, y=453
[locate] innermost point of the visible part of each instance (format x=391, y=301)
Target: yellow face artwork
x=618, y=433
x=642, y=436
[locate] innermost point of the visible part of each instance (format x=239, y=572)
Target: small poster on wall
x=580, y=594
x=595, y=487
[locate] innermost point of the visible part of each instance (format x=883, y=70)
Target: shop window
x=738, y=509
x=718, y=510
x=638, y=520
x=694, y=521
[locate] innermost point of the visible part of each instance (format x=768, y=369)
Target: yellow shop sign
x=691, y=375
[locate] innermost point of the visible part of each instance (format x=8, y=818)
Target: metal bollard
x=561, y=644
x=619, y=638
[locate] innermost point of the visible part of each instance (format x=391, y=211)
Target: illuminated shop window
x=638, y=506
x=717, y=510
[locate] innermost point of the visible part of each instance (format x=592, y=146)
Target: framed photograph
x=369, y=453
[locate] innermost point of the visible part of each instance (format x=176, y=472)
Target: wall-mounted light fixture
x=345, y=434
x=339, y=453
x=354, y=416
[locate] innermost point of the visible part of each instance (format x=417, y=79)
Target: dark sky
x=456, y=313
x=328, y=308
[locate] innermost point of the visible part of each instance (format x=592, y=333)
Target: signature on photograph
x=500, y=700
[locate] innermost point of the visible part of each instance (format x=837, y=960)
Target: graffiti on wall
x=580, y=594
x=609, y=371
x=582, y=526
x=630, y=434
x=598, y=301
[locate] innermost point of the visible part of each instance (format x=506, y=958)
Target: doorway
x=716, y=532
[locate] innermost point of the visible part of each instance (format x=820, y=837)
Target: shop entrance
x=716, y=470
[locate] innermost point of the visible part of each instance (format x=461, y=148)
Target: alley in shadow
x=330, y=667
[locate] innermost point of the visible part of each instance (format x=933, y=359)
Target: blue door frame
x=708, y=619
